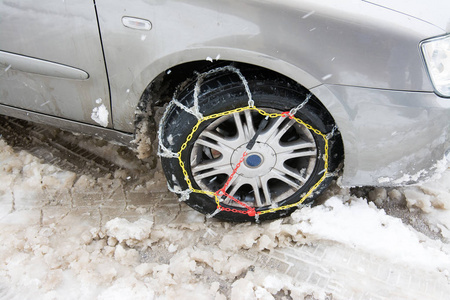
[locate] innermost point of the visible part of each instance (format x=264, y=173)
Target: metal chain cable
x=250, y=211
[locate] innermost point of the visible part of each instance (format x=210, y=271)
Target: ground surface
x=84, y=219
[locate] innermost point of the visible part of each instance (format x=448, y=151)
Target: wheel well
x=161, y=90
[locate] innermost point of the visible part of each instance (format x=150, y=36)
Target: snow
x=71, y=236
x=142, y=140
x=308, y=14
x=326, y=77
x=100, y=114
x=363, y=226
x=210, y=59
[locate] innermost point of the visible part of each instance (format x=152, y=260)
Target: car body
x=86, y=66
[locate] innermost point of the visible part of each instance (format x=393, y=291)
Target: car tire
x=282, y=171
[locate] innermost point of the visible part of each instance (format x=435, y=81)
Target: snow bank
x=68, y=236
x=362, y=225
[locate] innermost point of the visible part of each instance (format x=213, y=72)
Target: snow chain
x=164, y=152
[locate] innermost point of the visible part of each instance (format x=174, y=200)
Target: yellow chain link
x=264, y=113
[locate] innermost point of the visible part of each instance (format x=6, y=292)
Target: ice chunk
x=122, y=229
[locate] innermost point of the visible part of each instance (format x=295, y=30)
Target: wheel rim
x=278, y=166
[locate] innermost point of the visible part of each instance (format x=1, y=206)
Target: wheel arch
x=161, y=78
x=190, y=60
x=161, y=89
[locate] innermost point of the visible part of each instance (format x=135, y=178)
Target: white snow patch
x=308, y=14
x=210, y=59
x=328, y=76
x=433, y=198
x=127, y=288
x=384, y=180
x=172, y=248
x=410, y=177
x=100, y=114
x=365, y=227
x=122, y=229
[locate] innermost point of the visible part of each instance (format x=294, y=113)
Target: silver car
x=253, y=106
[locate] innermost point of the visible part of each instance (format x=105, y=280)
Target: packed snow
x=100, y=113
x=71, y=236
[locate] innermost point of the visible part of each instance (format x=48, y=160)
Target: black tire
x=223, y=92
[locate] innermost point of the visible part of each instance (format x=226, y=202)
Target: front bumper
x=390, y=137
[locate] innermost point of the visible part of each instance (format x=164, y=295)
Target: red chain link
x=222, y=192
x=250, y=210
x=287, y=114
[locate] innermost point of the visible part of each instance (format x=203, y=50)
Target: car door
x=51, y=60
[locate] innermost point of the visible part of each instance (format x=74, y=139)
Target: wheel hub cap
x=276, y=167
x=253, y=161
x=258, y=162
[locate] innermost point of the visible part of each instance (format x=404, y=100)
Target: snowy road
x=74, y=229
